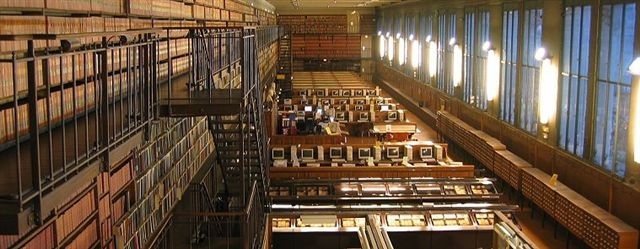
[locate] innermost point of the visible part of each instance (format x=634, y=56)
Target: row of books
x=300, y=24
x=69, y=101
x=68, y=221
x=178, y=10
x=120, y=205
x=120, y=177
x=238, y=7
x=59, y=105
x=103, y=6
x=44, y=239
x=159, y=193
x=180, y=143
x=87, y=238
x=17, y=25
x=164, y=8
x=178, y=47
x=179, y=66
x=104, y=207
x=106, y=233
x=102, y=183
x=162, y=143
x=64, y=68
x=266, y=58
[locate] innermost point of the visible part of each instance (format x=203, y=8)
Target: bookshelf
x=321, y=37
x=63, y=95
x=368, y=24
x=161, y=180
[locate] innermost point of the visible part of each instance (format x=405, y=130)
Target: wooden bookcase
x=321, y=37
x=87, y=218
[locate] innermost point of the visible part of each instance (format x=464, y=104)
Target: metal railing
x=68, y=105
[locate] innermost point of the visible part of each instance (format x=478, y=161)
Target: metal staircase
x=224, y=85
x=285, y=62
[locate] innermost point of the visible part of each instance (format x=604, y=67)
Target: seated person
x=333, y=128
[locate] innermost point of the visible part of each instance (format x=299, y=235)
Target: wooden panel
x=623, y=197
x=582, y=178
x=518, y=141
x=471, y=116
x=545, y=157
x=451, y=105
x=491, y=126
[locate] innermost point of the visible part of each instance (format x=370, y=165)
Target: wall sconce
x=390, y=48
x=456, y=63
x=492, y=71
x=383, y=45
x=402, y=55
x=433, y=56
x=634, y=69
x=548, y=87
x=416, y=54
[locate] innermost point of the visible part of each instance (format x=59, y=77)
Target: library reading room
x=319, y=124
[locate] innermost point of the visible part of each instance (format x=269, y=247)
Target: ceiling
x=327, y=6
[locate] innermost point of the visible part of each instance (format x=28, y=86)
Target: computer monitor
x=364, y=116
x=393, y=152
x=360, y=102
x=384, y=108
x=346, y=92
x=426, y=152
x=277, y=153
x=392, y=116
x=364, y=153
x=287, y=101
x=320, y=93
x=340, y=116
x=308, y=108
x=306, y=154
x=335, y=152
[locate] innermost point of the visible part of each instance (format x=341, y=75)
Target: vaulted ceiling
x=327, y=6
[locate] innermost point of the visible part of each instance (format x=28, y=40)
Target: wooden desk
x=324, y=172
x=401, y=131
